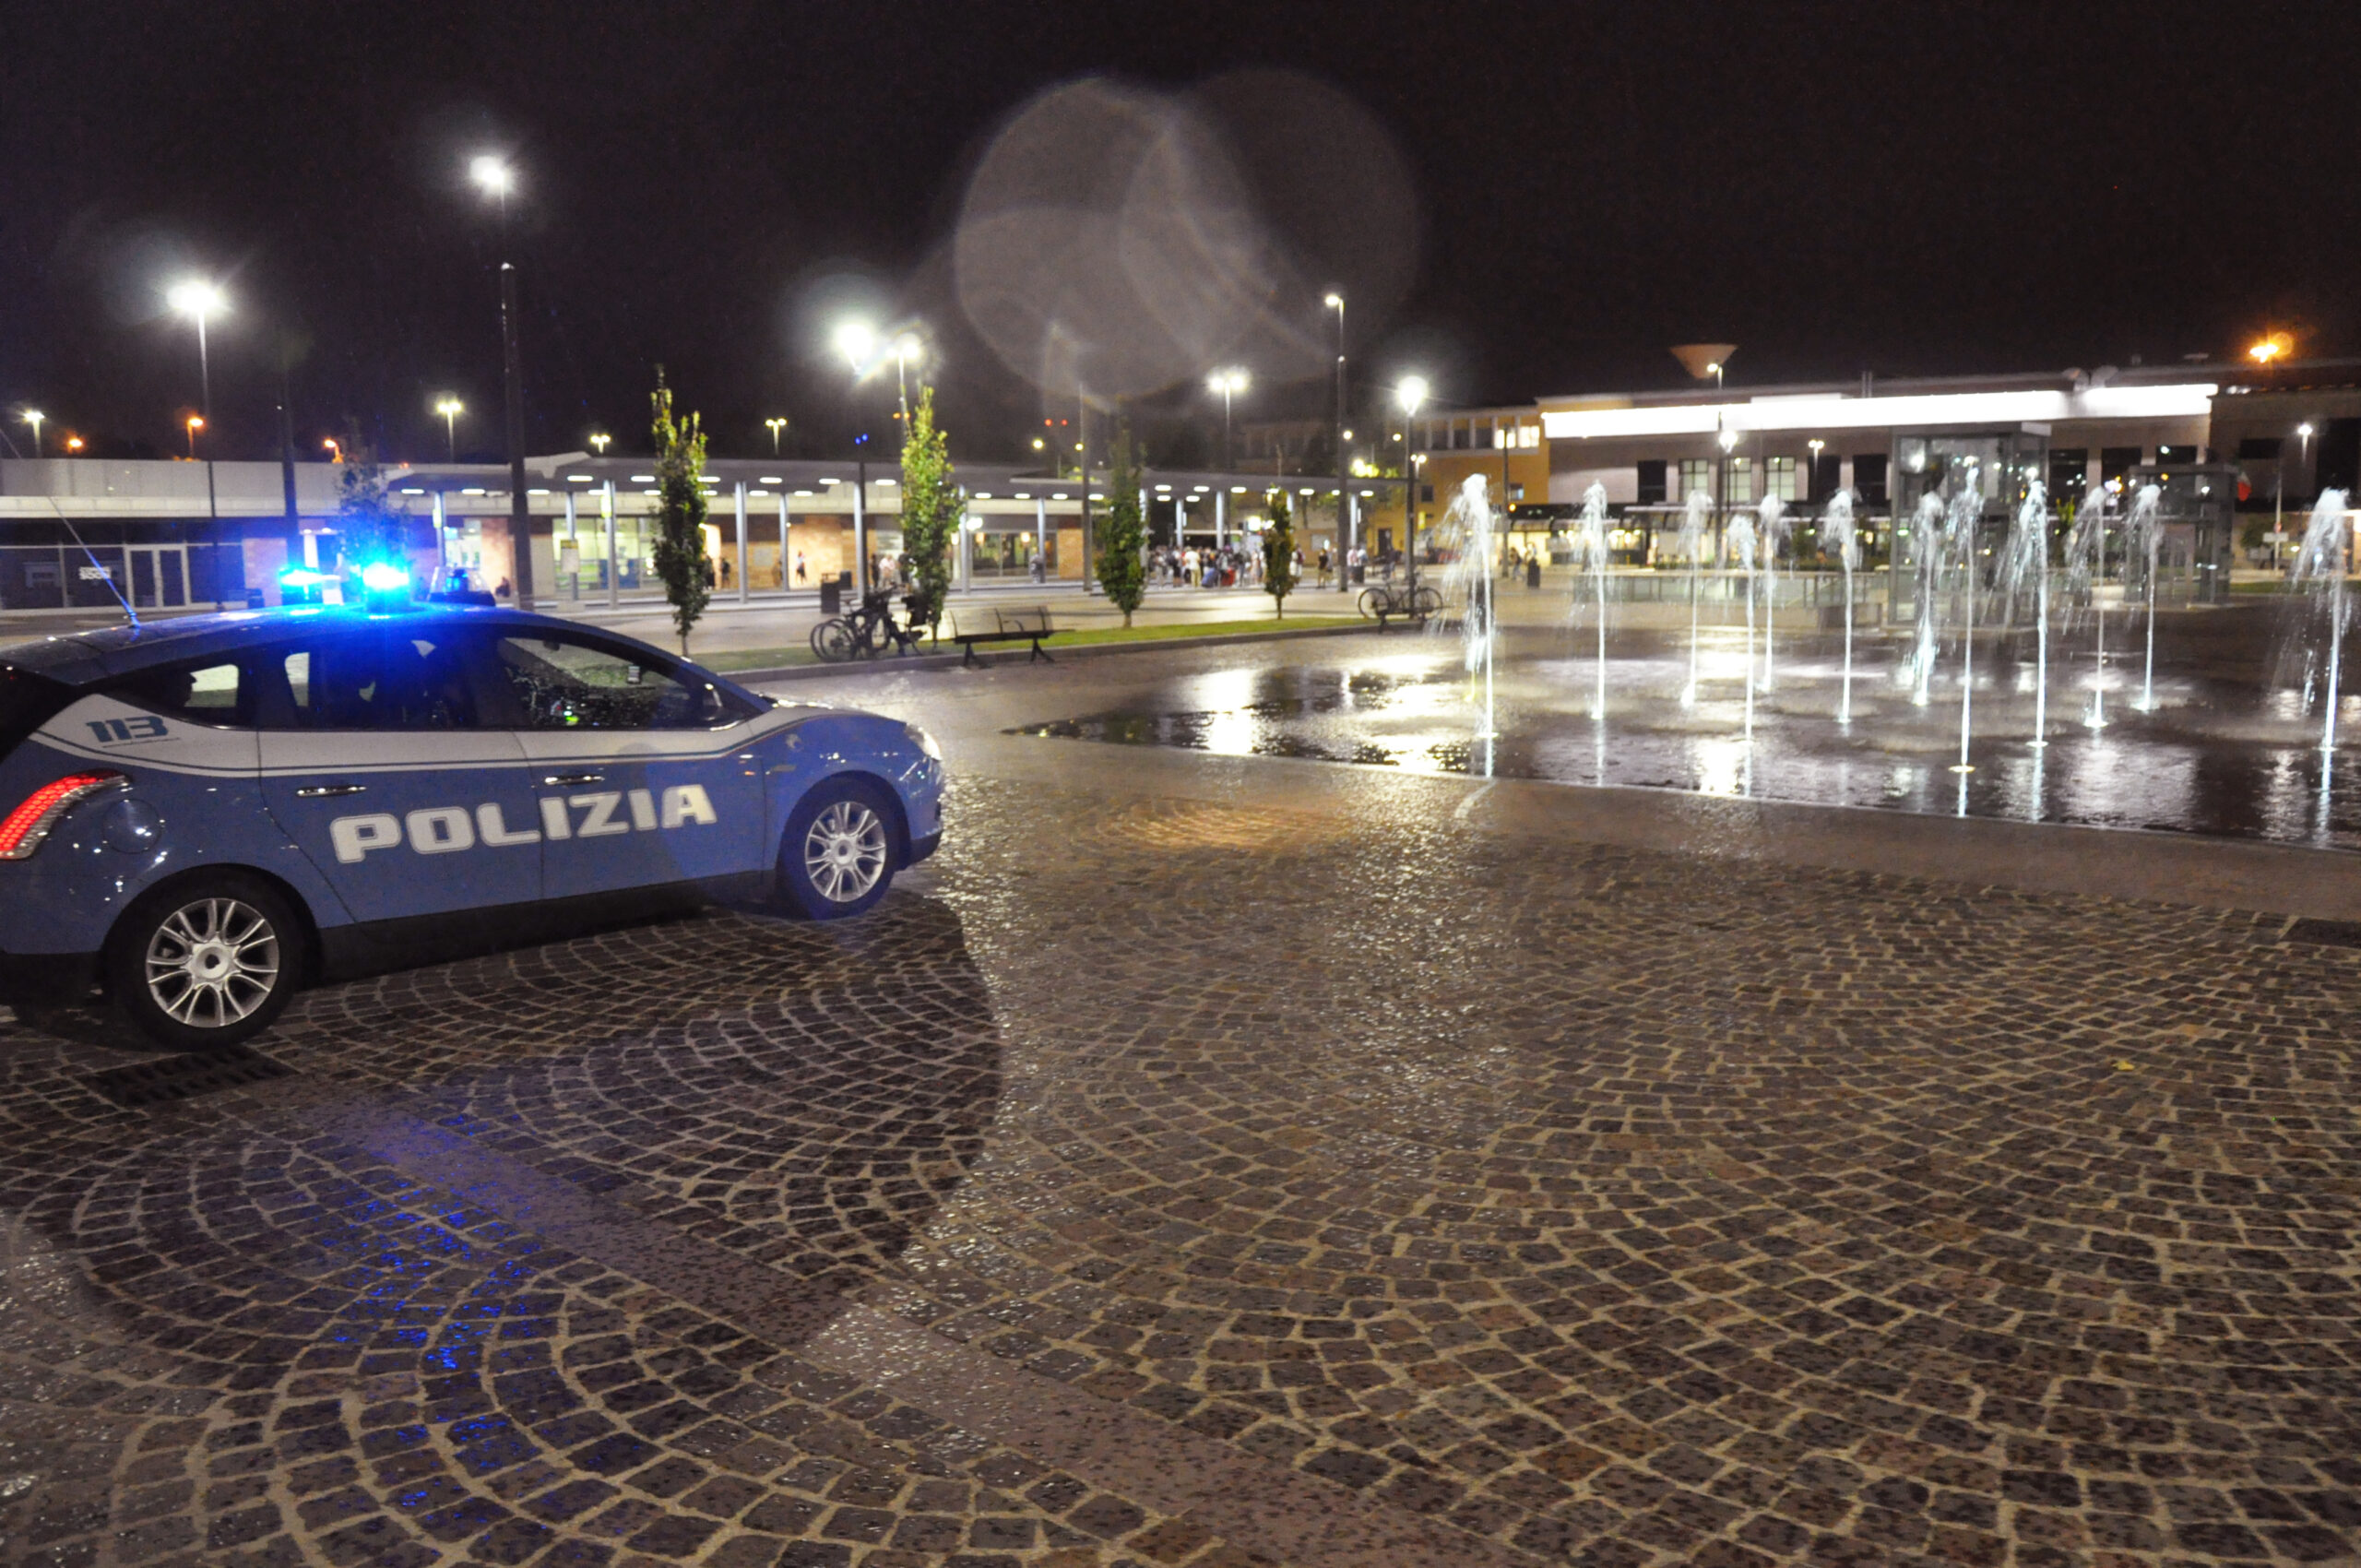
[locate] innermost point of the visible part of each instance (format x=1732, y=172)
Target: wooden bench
x=1003, y=626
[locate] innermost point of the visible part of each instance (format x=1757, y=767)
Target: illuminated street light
x=494, y=177
x=1228, y=383
x=906, y=347
x=335, y=453
x=776, y=425
x=857, y=340
x=34, y=416
x=1410, y=392
x=73, y=443
x=451, y=409
x=196, y=423
x=2274, y=346
x=1335, y=301
x=599, y=441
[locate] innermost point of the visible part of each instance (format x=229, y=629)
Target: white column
x=967, y=554
x=442, y=547
x=744, y=588
x=860, y=535
x=1041, y=537
x=1221, y=517
x=574, y=589
x=614, y=573
x=786, y=565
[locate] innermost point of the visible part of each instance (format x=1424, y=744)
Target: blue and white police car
x=205, y=815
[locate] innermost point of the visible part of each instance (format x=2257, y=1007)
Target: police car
x=205, y=815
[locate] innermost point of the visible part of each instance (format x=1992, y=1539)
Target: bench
x=1003, y=626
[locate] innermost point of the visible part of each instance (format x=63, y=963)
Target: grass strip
x=787, y=657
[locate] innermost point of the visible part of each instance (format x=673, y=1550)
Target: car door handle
x=575, y=779
x=321, y=792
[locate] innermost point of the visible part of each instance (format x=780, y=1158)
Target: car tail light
x=22, y=830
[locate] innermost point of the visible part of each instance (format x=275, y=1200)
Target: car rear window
x=27, y=701
x=201, y=691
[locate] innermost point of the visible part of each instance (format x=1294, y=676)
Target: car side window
x=394, y=680
x=562, y=683
x=205, y=691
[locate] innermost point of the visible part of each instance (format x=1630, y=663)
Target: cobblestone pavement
x=1157, y=1181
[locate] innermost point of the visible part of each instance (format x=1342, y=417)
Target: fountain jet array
x=1838, y=520
x=1771, y=530
x=1693, y=518
x=1468, y=530
x=2321, y=559
x=2024, y=559
x=2143, y=533
x=2086, y=573
x=1593, y=539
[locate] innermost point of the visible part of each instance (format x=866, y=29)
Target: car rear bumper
x=46, y=979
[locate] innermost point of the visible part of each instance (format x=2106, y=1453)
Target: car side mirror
x=774, y=700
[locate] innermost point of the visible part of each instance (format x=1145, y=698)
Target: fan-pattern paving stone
x=1618, y=1207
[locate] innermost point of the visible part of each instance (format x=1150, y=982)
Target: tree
x=680, y=517
x=931, y=508
x=371, y=529
x=1123, y=568
x=1279, y=553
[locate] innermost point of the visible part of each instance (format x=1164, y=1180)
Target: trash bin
x=1360, y=572
x=832, y=597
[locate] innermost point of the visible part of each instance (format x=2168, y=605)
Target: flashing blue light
x=304, y=577
x=381, y=577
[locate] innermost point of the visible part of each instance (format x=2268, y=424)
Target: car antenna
x=104, y=575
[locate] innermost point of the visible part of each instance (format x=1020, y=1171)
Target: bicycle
x=1390, y=600
x=866, y=631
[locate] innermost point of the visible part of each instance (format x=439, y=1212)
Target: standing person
x=799, y=569
x=1323, y=567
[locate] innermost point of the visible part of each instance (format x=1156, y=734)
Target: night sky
x=1556, y=191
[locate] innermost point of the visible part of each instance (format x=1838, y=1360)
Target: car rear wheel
x=208, y=962
x=837, y=855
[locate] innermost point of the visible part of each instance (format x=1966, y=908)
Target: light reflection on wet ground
x=2220, y=753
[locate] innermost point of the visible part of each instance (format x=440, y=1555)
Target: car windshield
x=27, y=701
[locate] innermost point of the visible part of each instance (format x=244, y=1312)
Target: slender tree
x=1279, y=553
x=681, y=559
x=371, y=529
x=931, y=508
x=1122, y=566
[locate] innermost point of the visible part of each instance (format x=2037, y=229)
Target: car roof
x=86, y=656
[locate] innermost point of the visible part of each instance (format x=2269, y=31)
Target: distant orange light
x=73, y=443
x=195, y=422
x=2275, y=347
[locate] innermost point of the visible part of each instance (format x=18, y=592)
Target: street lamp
x=1336, y=302
x=1714, y=370
x=599, y=441
x=1410, y=392
x=328, y=444
x=2274, y=346
x=1811, y=480
x=775, y=426
x=1228, y=383
x=195, y=422
x=33, y=418
x=857, y=340
x=492, y=176
x=451, y=409
x=906, y=347
x=198, y=299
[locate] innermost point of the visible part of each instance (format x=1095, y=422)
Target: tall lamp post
x=1410, y=393
x=776, y=425
x=33, y=418
x=198, y=299
x=496, y=180
x=1228, y=383
x=1344, y=474
x=857, y=340
x=450, y=409
x=906, y=347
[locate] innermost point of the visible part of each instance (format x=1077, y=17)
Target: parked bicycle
x=865, y=632
x=1399, y=602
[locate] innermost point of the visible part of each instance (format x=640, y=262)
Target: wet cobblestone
x=1609, y=1207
